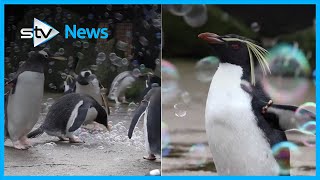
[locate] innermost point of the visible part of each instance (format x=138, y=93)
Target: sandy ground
x=187, y=131
x=103, y=153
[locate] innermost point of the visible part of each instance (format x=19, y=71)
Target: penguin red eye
x=235, y=46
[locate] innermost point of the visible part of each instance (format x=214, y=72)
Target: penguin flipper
x=283, y=117
x=137, y=116
x=81, y=117
x=36, y=133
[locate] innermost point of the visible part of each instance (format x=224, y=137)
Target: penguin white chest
x=24, y=104
x=237, y=144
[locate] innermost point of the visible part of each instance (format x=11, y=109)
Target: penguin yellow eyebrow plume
x=259, y=52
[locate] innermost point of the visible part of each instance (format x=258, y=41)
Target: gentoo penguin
x=24, y=99
x=150, y=108
x=240, y=136
x=87, y=83
x=68, y=113
x=119, y=85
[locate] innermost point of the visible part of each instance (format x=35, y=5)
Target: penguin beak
x=211, y=38
x=59, y=58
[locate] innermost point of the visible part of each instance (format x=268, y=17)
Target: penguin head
x=85, y=77
x=233, y=52
x=237, y=50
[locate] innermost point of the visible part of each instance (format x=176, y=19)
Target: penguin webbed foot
x=150, y=157
x=22, y=144
x=75, y=139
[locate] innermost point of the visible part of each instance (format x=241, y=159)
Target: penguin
x=68, y=113
x=150, y=78
x=150, y=109
x=239, y=133
x=119, y=85
x=23, y=100
x=86, y=82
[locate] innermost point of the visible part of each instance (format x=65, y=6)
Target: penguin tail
x=36, y=133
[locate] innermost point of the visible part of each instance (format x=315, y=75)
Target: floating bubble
x=125, y=62
x=197, y=16
x=112, y=56
x=59, y=9
x=170, y=76
x=61, y=51
x=50, y=71
x=101, y=57
x=186, y=98
x=255, y=27
x=206, y=67
x=85, y=44
x=16, y=49
x=106, y=14
x=198, y=154
x=288, y=60
x=179, y=10
x=94, y=67
x=136, y=72
x=142, y=66
x=282, y=151
x=118, y=16
x=50, y=101
x=143, y=41
x=122, y=46
x=180, y=109
x=157, y=61
x=78, y=43
x=165, y=139
x=305, y=113
x=63, y=75
x=132, y=107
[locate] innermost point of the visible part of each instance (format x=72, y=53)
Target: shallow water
x=189, y=130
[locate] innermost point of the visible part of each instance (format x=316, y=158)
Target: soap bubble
x=305, y=114
x=132, y=107
x=170, y=76
x=50, y=101
x=198, y=154
x=101, y=57
x=136, y=72
x=180, y=109
x=94, y=67
x=197, y=16
x=112, y=56
x=165, y=137
x=125, y=62
x=288, y=60
x=206, y=67
x=179, y=10
x=255, y=27
x=122, y=46
x=50, y=71
x=282, y=151
x=61, y=51
x=85, y=44
x=186, y=98
x=118, y=16
x=142, y=66
x=78, y=43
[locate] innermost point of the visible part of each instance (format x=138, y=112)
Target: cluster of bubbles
x=287, y=63
x=45, y=106
x=206, y=67
x=193, y=15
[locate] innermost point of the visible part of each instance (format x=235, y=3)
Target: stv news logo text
x=43, y=32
